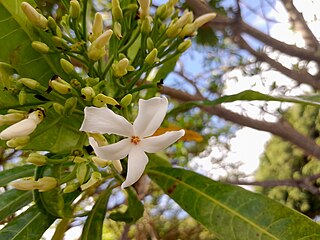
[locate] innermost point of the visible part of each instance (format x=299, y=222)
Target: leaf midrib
x=262, y=230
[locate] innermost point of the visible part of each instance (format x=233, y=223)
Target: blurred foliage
x=281, y=160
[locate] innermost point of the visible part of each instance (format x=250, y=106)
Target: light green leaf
x=15, y=173
x=93, y=226
x=250, y=95
x=13, y=200
x=230, y=211
x=29, y=225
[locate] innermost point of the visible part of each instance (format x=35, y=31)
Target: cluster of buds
x=42, y=184
x=18, y=133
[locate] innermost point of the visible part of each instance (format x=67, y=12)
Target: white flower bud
x=33, y=16
x=46, y=184
x=27, y=183
x=24, y=127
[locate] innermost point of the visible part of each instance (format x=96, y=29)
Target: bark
x=223, y=23
x=280, y=128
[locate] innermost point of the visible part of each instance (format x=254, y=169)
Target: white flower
x=138, y=136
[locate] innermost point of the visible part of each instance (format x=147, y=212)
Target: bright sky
x=248, y=144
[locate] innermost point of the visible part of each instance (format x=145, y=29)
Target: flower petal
x=114, y=151
x=137, y=162
x=158, y=143
x=104, y=120
x=150, y=116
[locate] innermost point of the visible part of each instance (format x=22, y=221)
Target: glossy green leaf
x=93, y=226
x=13, y=200
x=31, y=224
x=15, y=173
x=230, y=211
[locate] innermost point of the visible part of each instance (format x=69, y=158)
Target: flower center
x=135, y=140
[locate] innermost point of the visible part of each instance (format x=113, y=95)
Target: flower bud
x=69, y=106
x=203, y=19
x=58, y=108
x=103, y=39
x=40, y=47
x=120, y=68
x=60, y=43
x=126, y=100
x=87, y=93
x=152, y=57
x=27, y=183
x=18, y=142
x=29, y=83
x=22, y=97
x=184, y=46
x=37, y=159
x=191, y=28
x=34, y=17
x=11, y=118
x=60, y=85
x=24, y=127
x=146, y=25
x=150, y=44
x=144, y=8
x=161, y=12
x=78, y=159
x=117, y=30
x=66, y=66
x=46, y=184
x=71, y=187
x=117, y=165
x=96, y=53
x=93, y=181
x=97, y=27
x=100, y=162
x=116, y=11
x=92, y=81
x=101, y=100
x=81, y=172
x=74, y=10
x=52, y=24
x=75, y=83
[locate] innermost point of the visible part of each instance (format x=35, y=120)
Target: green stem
x=48, y=127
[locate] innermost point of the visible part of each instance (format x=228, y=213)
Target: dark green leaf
x=29, y=225
x=15, y=173
x=12, y=201
x=230, y=211
x=93, y=226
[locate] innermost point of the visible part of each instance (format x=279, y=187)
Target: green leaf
x=230, y=211
x=249, y=95
x=13, y=200
x=31, y=224
x=165, y=69
x=15, y=173
x=93, y=226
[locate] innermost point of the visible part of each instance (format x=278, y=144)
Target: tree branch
x=300, y=25
x=281, y=128
x=304, y=183
x=299, y=76
x=224, y=23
